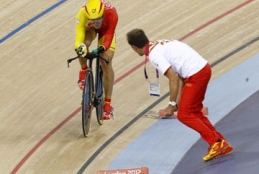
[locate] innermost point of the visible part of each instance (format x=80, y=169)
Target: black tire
x=87, y=103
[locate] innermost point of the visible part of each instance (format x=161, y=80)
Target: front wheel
x=87, y=103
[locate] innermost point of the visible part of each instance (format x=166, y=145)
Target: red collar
x=146, y=49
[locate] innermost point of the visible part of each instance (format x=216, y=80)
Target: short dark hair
x=137, y=37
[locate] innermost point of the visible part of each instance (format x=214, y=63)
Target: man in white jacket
x=188, y=72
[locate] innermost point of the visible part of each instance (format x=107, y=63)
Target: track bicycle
x=92, y=95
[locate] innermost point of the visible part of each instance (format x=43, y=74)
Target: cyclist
x=97, y=17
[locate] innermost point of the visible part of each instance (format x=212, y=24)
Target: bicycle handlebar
x=89, y=56
x=93, y=55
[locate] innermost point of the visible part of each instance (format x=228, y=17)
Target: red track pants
x=189, y=112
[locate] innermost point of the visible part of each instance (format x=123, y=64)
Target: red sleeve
x=110, y=23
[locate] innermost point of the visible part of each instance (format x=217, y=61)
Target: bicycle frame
x=98, y=72
x=98, y=80
x=92, y=92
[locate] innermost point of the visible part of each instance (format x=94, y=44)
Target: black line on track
x=235, y=51
x=100, y=149
x=88, y=162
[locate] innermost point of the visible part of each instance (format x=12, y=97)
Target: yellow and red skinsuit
x=107, y=28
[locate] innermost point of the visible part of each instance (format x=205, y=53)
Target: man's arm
x=173, y=85
x=181, y=83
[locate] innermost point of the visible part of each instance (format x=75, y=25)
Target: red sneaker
x=81, y=81
x=227, y=151
x=107, y=111
x=216, y=149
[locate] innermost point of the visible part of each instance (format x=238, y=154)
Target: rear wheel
x=99, y=112
x=99, y=96
x=87, y=103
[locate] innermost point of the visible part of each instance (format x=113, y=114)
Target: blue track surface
x=241, y=128
x=170, y=147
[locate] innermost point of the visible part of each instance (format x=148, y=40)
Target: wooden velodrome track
x=40, y=128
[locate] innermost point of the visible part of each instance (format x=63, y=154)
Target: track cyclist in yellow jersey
x=98, y=18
